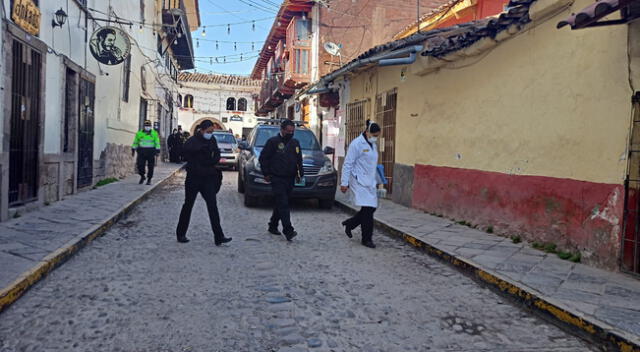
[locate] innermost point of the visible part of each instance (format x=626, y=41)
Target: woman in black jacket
x=202, y=155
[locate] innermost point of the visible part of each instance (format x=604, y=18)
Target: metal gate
x=356, y=120
x=631, y=227
x=85, y=132
x=25, y=124
x=386, y=117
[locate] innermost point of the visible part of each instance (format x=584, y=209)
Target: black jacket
x=202, y=156
x=279, y=158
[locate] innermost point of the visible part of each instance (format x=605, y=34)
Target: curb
x=594, y=331
x=29, y=278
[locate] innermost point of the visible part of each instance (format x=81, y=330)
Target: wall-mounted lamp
x=59, y=19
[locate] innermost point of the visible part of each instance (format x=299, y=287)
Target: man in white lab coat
x=359, y=176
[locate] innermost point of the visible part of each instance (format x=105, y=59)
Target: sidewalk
x=600, y=305
x=39, y=241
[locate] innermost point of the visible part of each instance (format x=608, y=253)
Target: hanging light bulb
x=204, y=31
x=304, y=16
x=228, y=29
x=278, y=23
x=217, y=46
x=235, y=46
x=175, y=42
x=253, y=26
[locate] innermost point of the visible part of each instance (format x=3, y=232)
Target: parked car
x=228, y=149
x=321, y=177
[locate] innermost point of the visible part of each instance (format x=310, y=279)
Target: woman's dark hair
x=205, y=124
x=372, y=127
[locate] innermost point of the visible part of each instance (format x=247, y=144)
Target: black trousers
x=208, y=187
x=363, y=218
x=282, y=188
x=146, y=157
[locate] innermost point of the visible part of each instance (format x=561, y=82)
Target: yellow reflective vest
x=146, y=139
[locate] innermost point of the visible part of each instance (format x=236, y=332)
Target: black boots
x=274, y=230
x=141, y=180
x=183, y=240
x=347, y=230
x=223, y=240
x=369, y=244
x=149, y=181
x=290, y=235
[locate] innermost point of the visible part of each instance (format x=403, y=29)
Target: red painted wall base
x=573, y=214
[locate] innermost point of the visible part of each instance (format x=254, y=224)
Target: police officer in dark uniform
x=281, y=164
x=202, y=154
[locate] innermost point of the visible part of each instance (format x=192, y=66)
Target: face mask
x=207, y=136
x=147, y=128
x=287, y=136
x=373, y=139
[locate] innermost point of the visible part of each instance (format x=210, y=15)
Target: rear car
x=321, y=178
x=229, y=151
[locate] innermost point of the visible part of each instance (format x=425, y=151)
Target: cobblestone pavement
x=137, y=289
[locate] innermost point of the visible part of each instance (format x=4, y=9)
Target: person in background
x=281, y=164
x=202, y=154
x=147, y=144
x=172, y=145
x=359, y=175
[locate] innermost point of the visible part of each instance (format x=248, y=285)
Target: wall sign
x=110, y=45
x=236, y=118
x=26, y=15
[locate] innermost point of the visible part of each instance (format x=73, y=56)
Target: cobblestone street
x=137, y=289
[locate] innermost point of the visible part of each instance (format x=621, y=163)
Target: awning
x=591, y=15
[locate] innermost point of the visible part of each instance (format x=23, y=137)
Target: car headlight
x=327, y=168
x=256, y=164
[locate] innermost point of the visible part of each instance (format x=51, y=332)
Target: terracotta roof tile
x=234, y=80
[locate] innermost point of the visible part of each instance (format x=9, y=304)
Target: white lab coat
x=359, y=172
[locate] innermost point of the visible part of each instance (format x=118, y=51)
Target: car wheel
x=240, y=184
x=326, y=203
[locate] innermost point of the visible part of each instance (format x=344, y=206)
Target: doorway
x=386, y=117
x=85, y=132
x=25, y=124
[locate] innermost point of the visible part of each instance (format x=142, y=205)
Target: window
x=303, y=30
x=231, y=104
x=242, y=104
x=126, y=79
x=188, y=101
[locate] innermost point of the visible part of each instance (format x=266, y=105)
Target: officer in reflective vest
x=147, y=144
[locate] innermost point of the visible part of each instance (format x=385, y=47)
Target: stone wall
x=116, y=161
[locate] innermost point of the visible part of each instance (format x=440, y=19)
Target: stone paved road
x=136, y=289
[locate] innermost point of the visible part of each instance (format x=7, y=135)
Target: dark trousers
x=207, y=187
x=363, y=218
x=146, y=158
x=281, y=188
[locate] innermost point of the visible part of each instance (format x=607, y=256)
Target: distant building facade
x=227, y=100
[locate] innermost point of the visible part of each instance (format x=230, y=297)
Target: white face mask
x=373, y=139
x=207, y=136
x=147, y=128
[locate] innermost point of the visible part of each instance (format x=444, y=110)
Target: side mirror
x=329, y=151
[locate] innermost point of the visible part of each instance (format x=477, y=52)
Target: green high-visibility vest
x=146, y=139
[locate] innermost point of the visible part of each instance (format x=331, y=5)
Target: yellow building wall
x=547, y=102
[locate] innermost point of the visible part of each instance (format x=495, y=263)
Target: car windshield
x=306, y=138
x=225, y=138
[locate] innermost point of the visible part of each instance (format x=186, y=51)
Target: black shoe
x=290, y=235
x=183, y=240
x=141, y=180
x=369, y=244
x=347, y=230
x=149, y=181
x=274, y=231
x=223, y=240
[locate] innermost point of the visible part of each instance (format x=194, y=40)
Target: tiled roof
x=232, y=80
x=590, y=15
x=442, y=8
x=442, y=41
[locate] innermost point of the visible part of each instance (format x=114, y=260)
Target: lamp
x=60, y=18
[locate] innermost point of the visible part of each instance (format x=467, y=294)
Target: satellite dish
x=332, y=48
